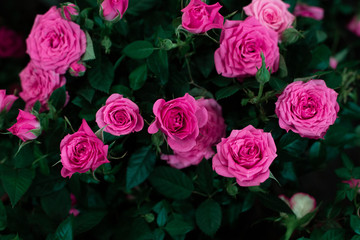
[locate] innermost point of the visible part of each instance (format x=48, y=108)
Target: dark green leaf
x=58, y=98
x=178, y=226
x=138, y=77
x=87, y=93
x=159, y=234
x=355, y=223
x=227, y=91
x=89, y=53
x=205, y=177
x=139, y=49
x=273, y=203
x=57, y=205
x=277, y=83
x=123, y=90
x=101, y=75
x=347, y=161
x=64, y=230
x=333, y=80
x=141, y=164
x=25, y=157
x=320, y=57
x=86, y=221
x=159, y=65
x=343, y=173
x=208, y=216
x=355, y=237
x=139, y=6
x=171, y=182
x=205, y=63
x=3, y=217
x=334, y=234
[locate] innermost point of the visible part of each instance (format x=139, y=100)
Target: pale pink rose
x=273, y=14
x=119, y=116
x=113, y=9
x=180, y=120
x=354, y=25
x=12, y=45
x=241, y=45
x=82, y=151
x=245, y=155
x=300, y=203
x=198, y=17
x=38, y=85
x=333, y=62
x=77, y=69
x=6, y=101
x=307, y=108
x=27, y=126
x=209, y=135
x=54, y=43
x=73, y=210
x=69, y=11
x=353, y=183
x=303, y=10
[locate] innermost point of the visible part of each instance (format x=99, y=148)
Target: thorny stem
x=216, y=41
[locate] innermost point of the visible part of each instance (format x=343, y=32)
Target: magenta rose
x=273, y=14
x=180, y=120
x=209, y=135
x=307, y=108
x=11, y=44
x=6, y=101
x=77, y=69
x=27, y=126
x=119, y=116
x=82, y=151
x=303, y=10
x=69, y=11
x=241, y=45
x=112, y=10
x=198, y=17
x=354, y=25
x=38, y=85
x=54, y=43
x=245, y=155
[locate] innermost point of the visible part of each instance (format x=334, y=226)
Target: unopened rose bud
x=27, y=126
x=69, y=11
x=77, y=69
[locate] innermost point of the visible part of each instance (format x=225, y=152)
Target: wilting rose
x=245, y=155
x=180, y=120
x=304, y=10
x=38, y=85
x=307, y=108
x=54, y=43
x=6, y=101
x=12, y=45
x=27, y=126
x=198, y=17
x=113, y=9
x=209, y=135
x=300, y=203
x=69, y=11
x=119, y=116
x=241, y=45
x=273, y=14
x=354, y=25
x=82, y=151
x=77, y=69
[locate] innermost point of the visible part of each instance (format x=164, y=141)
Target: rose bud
x=77, y=69
x=27, y=126
x=113, y=10
x=69, y=11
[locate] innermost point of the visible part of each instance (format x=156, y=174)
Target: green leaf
x=355, y=223
x=138, y=77
x=208, y=216
x=121, y=89
x=141, y=164
x=178, y=226
x=57, y=204
x=25, y=157
x=64, y=230
x=355, y=237
x=139, y=6
x=291, y=35
x=273, y=203
x=89, y=53
x=277, y=83
x=58, y=98
x=205, y=177
x=320, y=57
x=205, y=63
x=333, y=80
x=171, y=182
x=139, y=49
x=85, y=221
x=3, y=217
x=87, y=93
x=158, y=234
x=343, y=173
x=334, y=234
x=101, y=75
x=159, y=65
x=227, y=91
x=347, y=161
x=16, y=182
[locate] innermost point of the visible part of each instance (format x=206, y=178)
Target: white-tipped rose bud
x=302, y=204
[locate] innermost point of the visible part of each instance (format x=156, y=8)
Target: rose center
x=270, y=16
x=199, y=13
x=81, y=149
x=306, y=108
x=120, y=117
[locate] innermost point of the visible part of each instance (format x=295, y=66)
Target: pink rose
x=38, y=85
x=180, y=120
x=6, y=101
x=69, y=11
x=113, y=9
x=304, y=10
x=307, y=108
x=82, y=151
x=300, y=203
x=11, y=44
x=354, y=25
x=245, y=155
x=273, y=14
x=333, y=62
x=54, y=43
x=198, y=17
x=241, y=45
x=119, y=116
x=353, y=183
x=209, y=135
x=27, y=126
x=77, y=69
